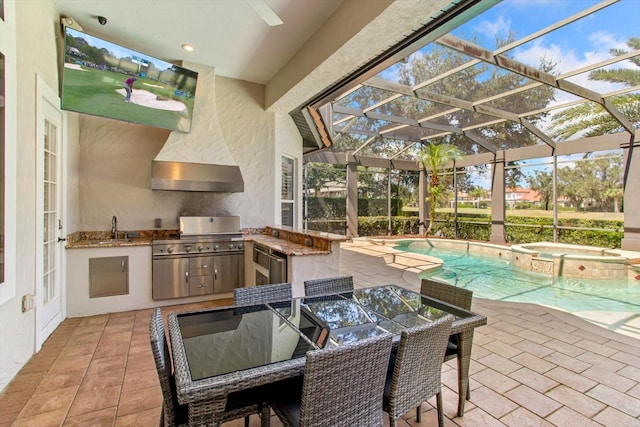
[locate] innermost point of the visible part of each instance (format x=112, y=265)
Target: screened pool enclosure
x=541, y=101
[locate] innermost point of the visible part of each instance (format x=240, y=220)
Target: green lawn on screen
x=93, y=92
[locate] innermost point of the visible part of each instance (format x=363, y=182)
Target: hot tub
x=570, y=260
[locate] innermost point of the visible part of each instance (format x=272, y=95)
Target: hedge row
x=478, y=227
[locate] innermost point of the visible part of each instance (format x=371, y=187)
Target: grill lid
x=208, y=225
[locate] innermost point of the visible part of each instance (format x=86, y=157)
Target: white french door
x=49, y=214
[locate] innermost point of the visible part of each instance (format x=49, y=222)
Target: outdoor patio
x=531, y=366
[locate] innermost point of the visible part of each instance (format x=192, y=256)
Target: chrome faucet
x=114, y=227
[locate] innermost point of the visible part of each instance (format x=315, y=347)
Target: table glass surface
x=221, y=341
x=345, y=319
x=402, y=306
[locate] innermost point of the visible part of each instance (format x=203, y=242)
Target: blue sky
x=582, y=43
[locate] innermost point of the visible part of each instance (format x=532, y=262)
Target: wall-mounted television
x=96, y=72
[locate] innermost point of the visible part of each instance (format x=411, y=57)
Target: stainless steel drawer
x=201, y=266
x=200, y=285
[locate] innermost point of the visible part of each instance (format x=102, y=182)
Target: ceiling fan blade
x=266, y=13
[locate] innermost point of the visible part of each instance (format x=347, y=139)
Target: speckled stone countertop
x=289, y=241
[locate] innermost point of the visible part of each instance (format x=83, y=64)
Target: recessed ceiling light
x=188, y=47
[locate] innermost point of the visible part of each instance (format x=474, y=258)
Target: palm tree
x=591, y=119
x=434, y=157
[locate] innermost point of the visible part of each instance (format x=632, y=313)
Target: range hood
x=183, y=176
x=199, y=160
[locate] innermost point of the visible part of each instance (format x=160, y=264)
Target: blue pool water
x=494, y=279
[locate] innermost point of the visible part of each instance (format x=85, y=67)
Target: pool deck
x=531, y=365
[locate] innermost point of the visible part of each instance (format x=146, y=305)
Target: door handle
x=61, y=239
x=186, y=277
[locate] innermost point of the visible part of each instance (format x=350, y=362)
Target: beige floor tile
x=134, y=380
x=144, y=417
x=133, y=401
x=48, y=401
x=140, y=362
x=575, y=400
x=25, y=382
x=533, y=380
x=500, y=364
x=93, y=382
x=539, y=350
x=571, y=379
x=478, y=418
x=46, y=419
x=523, y=418
x=533, y=362
x=87, y=402
x=102, y=418
x=567, y=417
x=613, y=417
x=77, y=350
x=615, y=399
x=535, y=402
x=107, y=363
x=503, y=349
x=567, y=361
x=110, y=350
x=56, y=381
x=609, y=378
x=495, y=380
x=491, y=402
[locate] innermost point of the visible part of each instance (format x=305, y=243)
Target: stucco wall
x=36, y=55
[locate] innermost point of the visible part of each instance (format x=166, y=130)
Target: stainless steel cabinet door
x=228, y=272
x=170, y=278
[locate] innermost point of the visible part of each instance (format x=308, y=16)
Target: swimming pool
x=494, y=278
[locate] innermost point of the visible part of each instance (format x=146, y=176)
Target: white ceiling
x=228, y=35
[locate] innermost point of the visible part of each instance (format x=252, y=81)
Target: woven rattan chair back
x=417, y=368
x=343, y=386
x=330, y=285
x=453, y=295
x=160, y=351
x=262, y=294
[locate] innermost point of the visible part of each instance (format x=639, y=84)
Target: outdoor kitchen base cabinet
x=108, y=276
x=178, y=277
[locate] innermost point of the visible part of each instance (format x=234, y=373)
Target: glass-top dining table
x=223, y=350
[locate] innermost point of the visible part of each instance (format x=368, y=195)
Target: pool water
x=494, y=279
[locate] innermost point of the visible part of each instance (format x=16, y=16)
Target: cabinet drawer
x=200, y=285
x=201, y=266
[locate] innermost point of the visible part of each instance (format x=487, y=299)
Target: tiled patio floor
x=532, y=366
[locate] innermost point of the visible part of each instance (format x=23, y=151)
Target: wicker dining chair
x=342, y=387
x=329, y=285
x=414, y=375
x=262, y=294
x=175, y=414
x=453, y=295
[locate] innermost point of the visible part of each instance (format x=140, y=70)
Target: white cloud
x=491, y=29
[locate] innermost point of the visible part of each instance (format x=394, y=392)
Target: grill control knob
x=232, y=246
x=169, y=250
x=200, y=248
x=187, y=248
x=216, y=247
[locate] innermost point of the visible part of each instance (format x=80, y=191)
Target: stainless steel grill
x=208, y=257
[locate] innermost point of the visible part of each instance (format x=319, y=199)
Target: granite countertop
x=289, y=241
x=284, y=246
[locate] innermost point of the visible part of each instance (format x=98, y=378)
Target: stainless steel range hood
x=184, y=176
x=199, y=160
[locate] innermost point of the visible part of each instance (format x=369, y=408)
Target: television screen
x=108, y=80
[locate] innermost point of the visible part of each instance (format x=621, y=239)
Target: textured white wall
x=36, y=55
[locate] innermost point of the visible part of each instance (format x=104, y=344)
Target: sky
x=581, y=43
